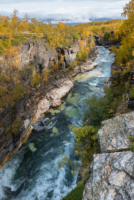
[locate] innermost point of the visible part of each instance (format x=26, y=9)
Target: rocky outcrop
x=102, y=41
x=53, y=98
x=43, y=55
x=98, y=40
x=112, y=177
x=18, y=115
x=113, y=135
x=112, y=171
x=9, y=144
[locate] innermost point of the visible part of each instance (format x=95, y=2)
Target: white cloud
x=72, y=10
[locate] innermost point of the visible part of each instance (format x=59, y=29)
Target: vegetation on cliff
x=17, y=82
x=113, y=104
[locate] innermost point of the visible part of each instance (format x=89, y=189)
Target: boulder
x=111, y=177
x=56, y=103
x=112, y=172
x=38, y=128
x=43, y=106
x=27, y=123
x=113, y=134
x=58, y=93
x=57, y=84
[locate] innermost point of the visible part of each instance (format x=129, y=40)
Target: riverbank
x=37, y=158
x=54, y=90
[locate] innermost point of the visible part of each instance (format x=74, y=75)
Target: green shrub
x=97, y=110
x=18, y=40
x=18, y=92
x=86, y=142
x=106, y=36
x=127, y=86
x=82, y=55
x=76, y=36
x=76, y=193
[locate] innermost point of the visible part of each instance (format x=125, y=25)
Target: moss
x=17, y=123
x=131, y=94
x=132, y=142
x=76, y=193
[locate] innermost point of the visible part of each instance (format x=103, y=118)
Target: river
x=31, y=174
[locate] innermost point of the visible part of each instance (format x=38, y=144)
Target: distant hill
x=54, y=21
x=100, y=19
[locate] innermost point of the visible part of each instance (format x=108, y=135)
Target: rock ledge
x=112, y=172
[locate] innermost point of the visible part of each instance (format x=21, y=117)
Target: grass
x=76, y=193
x=18, y=40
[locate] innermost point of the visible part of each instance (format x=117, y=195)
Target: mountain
x=68, y=21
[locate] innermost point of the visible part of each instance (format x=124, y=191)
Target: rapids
x=31, y=173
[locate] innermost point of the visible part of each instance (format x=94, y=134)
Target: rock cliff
x=24, y=103
x=43, y=55
x=112, y=171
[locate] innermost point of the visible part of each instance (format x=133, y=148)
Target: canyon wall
x=17, y=116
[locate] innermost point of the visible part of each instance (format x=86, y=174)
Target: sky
x=68, y=10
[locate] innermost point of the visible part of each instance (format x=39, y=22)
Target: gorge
x=31, y=173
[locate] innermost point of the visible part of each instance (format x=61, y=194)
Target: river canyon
x=32, y=174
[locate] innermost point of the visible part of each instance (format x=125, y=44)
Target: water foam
x=45, y=182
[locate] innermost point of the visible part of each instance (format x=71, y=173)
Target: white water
x=33, y=175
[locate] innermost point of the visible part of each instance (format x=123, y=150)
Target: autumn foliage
x=15, y=31
x=125, y=53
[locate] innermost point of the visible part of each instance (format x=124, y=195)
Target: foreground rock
x=112, y=177
x=112, y=174
x=113, y=135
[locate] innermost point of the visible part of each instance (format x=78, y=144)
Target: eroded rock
x=112, y=177
x=113, y=135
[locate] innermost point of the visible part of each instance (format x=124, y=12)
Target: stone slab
x=111, y=177
x=113, y=134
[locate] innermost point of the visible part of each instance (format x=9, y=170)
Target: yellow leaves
x=12, y=56
x=82, y=44
x=73, y=172
x=76, y=152
x=46, y=72
x=60, y=26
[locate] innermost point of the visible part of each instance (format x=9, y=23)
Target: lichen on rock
x=112, y=172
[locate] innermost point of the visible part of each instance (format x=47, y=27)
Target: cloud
x=45, y=1
x=67, y=10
